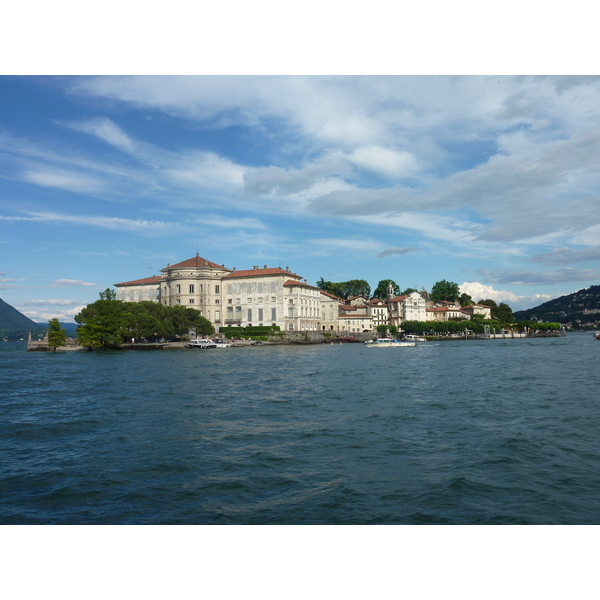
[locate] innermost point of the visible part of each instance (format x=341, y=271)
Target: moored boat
x=202, y=344
x=597, y=335
x=413, y=338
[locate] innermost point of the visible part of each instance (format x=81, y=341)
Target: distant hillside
x=579, y=310
x=12, y=320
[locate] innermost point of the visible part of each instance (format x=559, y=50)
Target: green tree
x=465, y=299
x=445, y=290
x=56, y=335
x=408, y=291
x=381, y=290
x=103, y=323
x=504, y=313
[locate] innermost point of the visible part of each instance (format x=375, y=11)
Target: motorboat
x=202, y=344
x=387, y=343
x=413, y=338
x=222, y=343
x=597, y=335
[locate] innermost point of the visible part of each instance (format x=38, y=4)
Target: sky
x=492, y=182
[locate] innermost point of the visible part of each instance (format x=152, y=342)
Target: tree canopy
x=382, y=289
x=57, y=336
x=465, y=299
x=445, y=290
x=110, y=322
x=345, y=289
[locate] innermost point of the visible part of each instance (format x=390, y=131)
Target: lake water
x=475, y=432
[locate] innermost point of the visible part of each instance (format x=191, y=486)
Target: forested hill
x=12, y=320
x=579, y=310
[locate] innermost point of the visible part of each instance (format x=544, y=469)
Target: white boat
x=597, y=335
x=222, y=343
x=202, y=344
x=387, y=343
x=413, y=338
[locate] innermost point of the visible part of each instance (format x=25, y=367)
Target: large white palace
x=276, y=296
x=226, y=297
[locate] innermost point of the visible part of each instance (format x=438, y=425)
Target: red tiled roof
x=153, y=279
x=197, y=262
x=347, y=307
x=292, y=283
x=398, y=298
x=260, y=273
x=331, y=296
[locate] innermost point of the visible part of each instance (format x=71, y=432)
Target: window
x=260, y=314
x=260, y=288
x=273, y=314
x=238, y=288
x=191, y=288
x=238, y=301
x=229, y=288
x=272, y=286
x=249, y=314
x=238, y=309
x=217, y=316
x=273, y=299
x=260, y=300
x=249, y=300
x=249, y=287
x=178, y=289
x=191, y=301
x=291, y=313
x=217, y=301
x=178, y=301
x=217, y=289
x=229, y=310
x=229, y=301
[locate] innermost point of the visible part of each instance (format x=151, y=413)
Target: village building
x=480, y=311
x=410, y=307
x=329, y=311
x=378, y=310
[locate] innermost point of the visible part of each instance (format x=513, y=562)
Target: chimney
x=234, y=269
x=287, y=269
x=265, y=266
x=256, y=267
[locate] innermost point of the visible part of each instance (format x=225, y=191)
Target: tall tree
x=445, y=290
x=56, y=335
x=504, y=313
x=408, y=291
x=465, y=299
x=382, y=288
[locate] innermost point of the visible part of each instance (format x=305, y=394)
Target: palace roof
x=147, y=280
x=256, y=272
x=196, y=262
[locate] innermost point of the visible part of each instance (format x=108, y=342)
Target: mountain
x=579, y=310
x=12, y=320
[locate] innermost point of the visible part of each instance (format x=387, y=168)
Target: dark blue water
x=498, y=431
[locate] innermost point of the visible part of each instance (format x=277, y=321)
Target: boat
x=413, y=338
x=597, y=335
x=222, y=343
x=387, y=343
x=202, y=344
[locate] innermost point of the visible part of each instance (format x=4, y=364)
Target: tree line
x=109, y=322
x=443, y=290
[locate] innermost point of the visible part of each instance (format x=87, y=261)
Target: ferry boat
x=387, y=343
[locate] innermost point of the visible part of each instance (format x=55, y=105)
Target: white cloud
x=73, y=283
x=65, y=180
x=106, y=130
x=479, y=291
x=48, y=303
x=386, y=161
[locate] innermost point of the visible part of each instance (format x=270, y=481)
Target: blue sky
x=489, y=181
